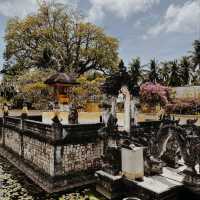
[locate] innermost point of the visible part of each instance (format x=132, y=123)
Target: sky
x=160, y=29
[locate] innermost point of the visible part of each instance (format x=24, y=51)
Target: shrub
x=154, y=94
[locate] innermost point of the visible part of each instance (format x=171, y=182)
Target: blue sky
x=161, y=29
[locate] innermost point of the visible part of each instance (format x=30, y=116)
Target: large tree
x=56, y=37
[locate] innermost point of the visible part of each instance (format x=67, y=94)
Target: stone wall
x=39, y=153
x=1, y=135
x=50, y=154
x=187, y=92
x=12, y=140
x=82, y=156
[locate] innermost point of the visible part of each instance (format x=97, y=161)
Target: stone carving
x=109, y=120
x=112, y=160
x=191, y=121
x=189, y=144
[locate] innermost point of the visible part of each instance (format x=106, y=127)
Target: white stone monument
x=133, y=163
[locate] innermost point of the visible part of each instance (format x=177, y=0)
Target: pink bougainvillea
x=153, y=94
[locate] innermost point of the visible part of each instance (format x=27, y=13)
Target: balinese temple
x=62, y=85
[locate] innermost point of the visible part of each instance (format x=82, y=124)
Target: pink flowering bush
x=154, y=94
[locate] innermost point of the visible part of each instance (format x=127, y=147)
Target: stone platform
x=159, y=187
x=108, y=185
x=167, y=186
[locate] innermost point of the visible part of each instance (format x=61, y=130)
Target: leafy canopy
x=56, y=37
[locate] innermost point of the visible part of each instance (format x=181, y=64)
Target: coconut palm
x=153, y=75
x=136, y=72
x=164, y=72
x=196, y=53
x=175, y=78
x=186, y=70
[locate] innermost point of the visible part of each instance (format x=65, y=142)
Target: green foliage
x=175, y=76
x=136, y=72
x=89, y=88
x=115, y=81
x=57, y=37
x=153, y=75
x=186, y=70
x=31, y=88
x=196, y=53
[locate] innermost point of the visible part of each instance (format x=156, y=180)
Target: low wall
x=56, y=156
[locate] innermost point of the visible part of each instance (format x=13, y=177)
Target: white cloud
x=120, y=8
x=20, y=8
x=179, y=19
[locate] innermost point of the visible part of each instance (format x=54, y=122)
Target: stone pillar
x=113, y=106
x=5, y=114
x=105, y=115
x=134, y=110
x=57, y=128
x=57, y=131
x=58, y=158
x=21, y=135
x=127, y=109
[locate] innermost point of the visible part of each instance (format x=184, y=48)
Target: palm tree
x=153, y=73
x=186, y=70
x=175, y=78
x=164, y=72
x=196, y=53
x=136, y=71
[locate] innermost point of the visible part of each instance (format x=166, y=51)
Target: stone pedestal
x=192, y=181
x=108, y=185
x=133, y=163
